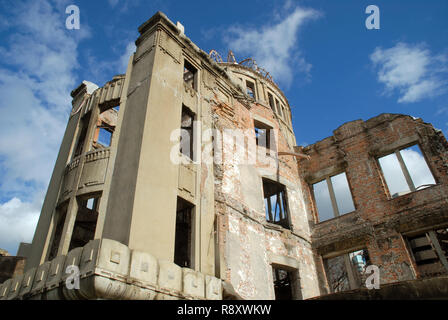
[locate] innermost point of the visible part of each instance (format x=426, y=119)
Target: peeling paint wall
x=250, y=245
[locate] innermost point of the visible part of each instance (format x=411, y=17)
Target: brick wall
x=378, y=222
x=10, y=267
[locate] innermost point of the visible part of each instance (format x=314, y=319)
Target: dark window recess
x=61, y=213
x=271, y=102
x=430, y=251
x=250, y=89
x=282, y=284
x=183, y=237
x=85, y=224
x=189, y=74
x=186, y=142
x=82, y=134
x=337, y=274
x=442, y=237
x=275, y=203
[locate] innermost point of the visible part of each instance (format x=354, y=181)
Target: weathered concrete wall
x=249, y=245
x=422, y=289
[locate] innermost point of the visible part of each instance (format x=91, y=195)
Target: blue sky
x=330, y=66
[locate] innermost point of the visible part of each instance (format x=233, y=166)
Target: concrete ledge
x=422, y=289
x=110, y=270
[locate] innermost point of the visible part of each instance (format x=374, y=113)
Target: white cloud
x=275, y=47
x=37, y=75
x=411, y=70
x=395, y=179
x=442, y=111
x=416, y=165
x=124, y=59
x=17, y=223
x=125, y=5
x=342, y=194
x=113, y=3
x=396, y=182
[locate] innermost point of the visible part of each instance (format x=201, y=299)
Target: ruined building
x=145, y=210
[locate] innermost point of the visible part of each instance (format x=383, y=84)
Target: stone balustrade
x=107, y=269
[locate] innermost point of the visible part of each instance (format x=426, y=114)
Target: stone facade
x=10, y=266
x=230, y=220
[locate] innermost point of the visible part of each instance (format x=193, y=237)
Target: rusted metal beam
x=295, y=154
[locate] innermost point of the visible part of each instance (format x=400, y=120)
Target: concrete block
x=73, y=259
x=53, y=294
x=14, y=290
x=136, y=292
x=213, y=288
x=4, y=289
x=55, y=273
x=193, y=283
x=103, y=261
x=99, y=287
x=114, y=259
x=89, y=257
x=144, y=269
x=28, y=280
x=170, y=279
x=40, y=278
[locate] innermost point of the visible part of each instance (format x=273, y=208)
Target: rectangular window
x=275, y=201
x=264, y=136
x=430, y=252
x=84, y=125
x=405, y=171
x=85, y=224
x=106, y=123
x=183, y=247
x=186, y=141
x=250, y=89
x=347, y=271
x=333, y=197
x=279, y=108
x=105, y=136
x=190, y=75
x=282, y=284
x=59, y=222
x=271, y=102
